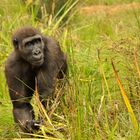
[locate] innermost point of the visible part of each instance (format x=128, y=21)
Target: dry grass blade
x=136, y=61
x=56, y=102
x=126, y=100
x=51, y=129
x=41, y=108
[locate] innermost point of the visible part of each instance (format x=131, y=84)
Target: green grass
x=92, y=106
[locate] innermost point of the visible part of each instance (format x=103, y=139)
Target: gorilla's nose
x=36, y=52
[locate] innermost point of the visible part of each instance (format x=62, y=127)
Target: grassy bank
x=93, y=106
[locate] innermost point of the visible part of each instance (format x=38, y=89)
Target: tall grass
x=90, y=106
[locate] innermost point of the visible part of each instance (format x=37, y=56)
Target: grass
x=92, y=105
x=108, y=2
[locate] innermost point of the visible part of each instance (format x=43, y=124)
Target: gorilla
x=35, y=57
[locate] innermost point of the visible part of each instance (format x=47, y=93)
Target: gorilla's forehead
x=24, y=33
x=27, y=39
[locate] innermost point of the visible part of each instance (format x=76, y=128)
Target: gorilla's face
x=31, y=49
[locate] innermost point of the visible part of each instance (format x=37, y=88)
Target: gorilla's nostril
x=36, y=52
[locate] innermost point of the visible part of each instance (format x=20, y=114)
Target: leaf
x=126, y=100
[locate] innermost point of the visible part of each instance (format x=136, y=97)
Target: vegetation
x=108, y=2
x=101, y=99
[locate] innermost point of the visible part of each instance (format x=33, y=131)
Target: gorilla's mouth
x=38, y=62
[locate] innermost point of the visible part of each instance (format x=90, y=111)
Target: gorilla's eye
x=28, y=44
x=15, y=42
x=38, y=40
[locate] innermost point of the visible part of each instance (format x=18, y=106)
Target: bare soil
x=109, y=9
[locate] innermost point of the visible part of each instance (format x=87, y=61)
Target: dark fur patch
x=24, y=32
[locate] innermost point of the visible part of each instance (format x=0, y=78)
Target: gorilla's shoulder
x=51, y=43
x=12, y=60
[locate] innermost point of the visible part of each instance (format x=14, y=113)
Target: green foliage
x=91, y=106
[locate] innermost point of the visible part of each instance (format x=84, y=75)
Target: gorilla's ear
x=15, y=43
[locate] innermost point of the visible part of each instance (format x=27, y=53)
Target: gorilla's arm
x=20, y=92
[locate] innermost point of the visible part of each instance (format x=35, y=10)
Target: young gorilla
x=34, y=57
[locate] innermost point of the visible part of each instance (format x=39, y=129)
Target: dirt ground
x=109, y=9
